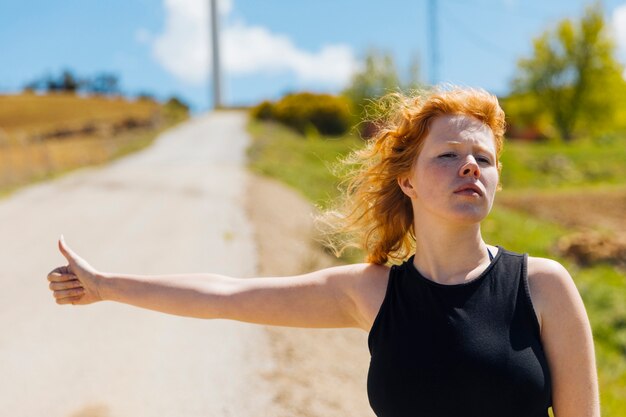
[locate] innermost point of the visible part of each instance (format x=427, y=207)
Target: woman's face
x=455, y=176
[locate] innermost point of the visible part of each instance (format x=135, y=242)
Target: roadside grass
x=302, y=163
x=559, y=165
x=21, y=165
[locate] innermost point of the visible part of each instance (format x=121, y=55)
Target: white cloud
x=225, y=6
x=619, y=26
x=183, y=48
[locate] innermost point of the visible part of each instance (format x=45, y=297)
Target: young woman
x=460, y=328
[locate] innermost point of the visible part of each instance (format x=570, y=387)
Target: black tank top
x=465, y=350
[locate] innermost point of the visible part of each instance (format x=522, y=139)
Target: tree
x=69, y=82
x=104, y=83
x=573, y=75
x=175, y=109
x=379, y=76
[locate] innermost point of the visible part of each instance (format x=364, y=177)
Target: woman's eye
x=483, y=159
x=447, y=155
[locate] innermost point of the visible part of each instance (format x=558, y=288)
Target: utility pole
x=434, y=44
x=215, y=51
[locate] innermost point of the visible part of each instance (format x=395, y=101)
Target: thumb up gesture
x=77, y=283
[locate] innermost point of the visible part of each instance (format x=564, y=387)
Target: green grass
x=519, y=232
x=303, y=164
x=562, y=165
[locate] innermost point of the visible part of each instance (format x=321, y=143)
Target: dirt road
x=176, y=207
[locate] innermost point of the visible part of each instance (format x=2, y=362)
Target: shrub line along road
x=175, y=207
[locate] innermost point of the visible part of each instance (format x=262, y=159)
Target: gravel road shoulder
x=318, y=372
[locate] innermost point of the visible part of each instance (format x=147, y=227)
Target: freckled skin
x=458, y=150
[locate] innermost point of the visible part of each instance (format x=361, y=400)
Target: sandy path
x=176, y=207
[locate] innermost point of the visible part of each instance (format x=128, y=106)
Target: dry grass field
x=45, y=135
x=27, y=117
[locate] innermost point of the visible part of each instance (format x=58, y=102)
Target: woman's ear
x=406, y=186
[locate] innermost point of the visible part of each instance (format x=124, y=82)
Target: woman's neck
x=450, y=254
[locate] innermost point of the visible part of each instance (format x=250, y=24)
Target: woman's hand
x=77, y=283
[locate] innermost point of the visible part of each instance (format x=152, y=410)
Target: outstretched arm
x=567, y=339
x=323, y=298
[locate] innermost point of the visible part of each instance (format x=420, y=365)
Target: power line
x=526, y=10
x=473, y=37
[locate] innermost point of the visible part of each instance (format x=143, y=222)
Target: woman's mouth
x=469, y=190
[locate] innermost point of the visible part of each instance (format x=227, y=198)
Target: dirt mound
x=591, y=247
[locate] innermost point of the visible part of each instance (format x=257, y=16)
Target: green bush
x=175, y=110
x=327, y=114
x=263, y=111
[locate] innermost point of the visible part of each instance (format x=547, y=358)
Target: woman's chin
x=468, y=215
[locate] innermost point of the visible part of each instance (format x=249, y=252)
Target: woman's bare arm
x=567, y=339
x=323, y=298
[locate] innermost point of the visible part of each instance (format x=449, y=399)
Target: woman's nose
x=470, y=168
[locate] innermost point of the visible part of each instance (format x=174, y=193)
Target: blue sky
x=273, y=46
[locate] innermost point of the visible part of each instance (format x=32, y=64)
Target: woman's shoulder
x=367, y=287
x=368, y=278
x=358, y=278
x=547, y=274
x=359, y=273
x=548, y=282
